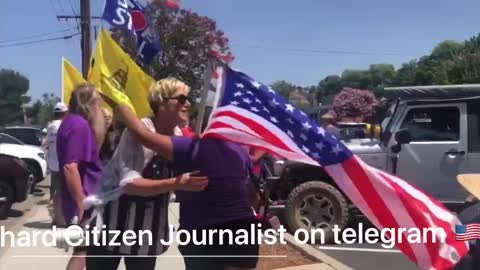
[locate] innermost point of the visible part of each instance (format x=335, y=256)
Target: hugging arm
x=128, y=164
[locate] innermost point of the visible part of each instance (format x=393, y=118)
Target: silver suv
x=429, y=135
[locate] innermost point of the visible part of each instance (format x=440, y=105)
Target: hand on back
x=192, y=182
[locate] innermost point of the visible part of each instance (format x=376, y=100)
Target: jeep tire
x=37, y=175
x=7, y=197
x=313, y=205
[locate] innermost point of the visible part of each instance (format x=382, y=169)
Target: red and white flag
x=250, y=113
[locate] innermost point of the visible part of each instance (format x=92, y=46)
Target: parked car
x=33, y=156
x=15, y=182
x=27, y=134
x=442, y=124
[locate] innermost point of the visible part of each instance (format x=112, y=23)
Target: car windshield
x=5, y=138
x=30, y=136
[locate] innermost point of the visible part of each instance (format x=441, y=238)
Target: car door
x=437, y=151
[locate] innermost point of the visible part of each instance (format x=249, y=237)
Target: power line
x=62, y=10
x=39, y=41
x=34, y=36
x=74, y=13
x=319, y=51
x=54, y=10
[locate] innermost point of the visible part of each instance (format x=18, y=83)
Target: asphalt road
x=20, y=210
x=367, y=256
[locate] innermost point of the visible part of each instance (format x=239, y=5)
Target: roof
x=22, y=127
x=433, y=92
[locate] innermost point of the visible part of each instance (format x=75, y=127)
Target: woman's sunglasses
x=182, y=99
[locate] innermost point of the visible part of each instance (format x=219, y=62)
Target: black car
x=15, y=182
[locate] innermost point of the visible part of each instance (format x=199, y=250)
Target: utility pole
x=85, y=28
x=86, y=41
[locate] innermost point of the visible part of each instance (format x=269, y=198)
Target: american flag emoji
x=467, y=232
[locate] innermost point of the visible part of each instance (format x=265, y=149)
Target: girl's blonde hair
x=162, y=90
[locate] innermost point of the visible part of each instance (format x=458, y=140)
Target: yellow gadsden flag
x=71, y=78
x=119, y=77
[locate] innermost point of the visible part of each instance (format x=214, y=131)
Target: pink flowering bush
x=354, y=103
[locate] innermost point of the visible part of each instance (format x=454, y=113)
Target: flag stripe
x=419, y=222
x=269, y=132
x=438, y=215
x=348, y=186
x=383, y=213
x=265, y=127
x=403, y=217
x=236, y=119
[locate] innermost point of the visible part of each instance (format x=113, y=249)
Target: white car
x=34, y=156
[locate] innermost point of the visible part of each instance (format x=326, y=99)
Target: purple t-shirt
x=76, y=144
x=226, y=165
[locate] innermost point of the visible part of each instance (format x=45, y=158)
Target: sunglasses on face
x=182, y=99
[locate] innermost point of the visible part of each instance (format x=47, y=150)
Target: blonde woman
x=78, y=157
x=148, y=180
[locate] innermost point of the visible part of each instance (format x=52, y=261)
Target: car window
x=433, y=124
x=350, y=132
x=27, y=136
x=388, y=116
x=8, y=139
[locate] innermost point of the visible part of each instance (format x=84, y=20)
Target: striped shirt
x=142, y=213
x=132, y=161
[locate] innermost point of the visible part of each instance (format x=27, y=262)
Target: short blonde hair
x=163, y=89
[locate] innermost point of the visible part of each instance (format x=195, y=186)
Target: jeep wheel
x=6, y=198
x=37, y=175
x=316, y=205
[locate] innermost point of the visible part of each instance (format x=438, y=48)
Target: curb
x=316, y=254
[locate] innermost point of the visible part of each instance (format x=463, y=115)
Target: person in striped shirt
x=224, y=204
x=147, y=181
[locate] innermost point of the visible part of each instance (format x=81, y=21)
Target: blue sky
x=271, y=39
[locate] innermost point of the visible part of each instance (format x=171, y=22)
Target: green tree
x=464, y=69
x=450, y=62
x=330, y=85
x=406, y=74
x=357, y=79
x=13, y=90
x=41, y=112
x=284, y=88
x=447, y=49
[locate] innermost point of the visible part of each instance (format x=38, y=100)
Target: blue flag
x=130, y=16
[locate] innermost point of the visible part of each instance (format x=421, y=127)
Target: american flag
x=467, y=232
x=248, y=112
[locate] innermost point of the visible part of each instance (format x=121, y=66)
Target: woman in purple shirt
x=80, y=166
x=224, y=203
